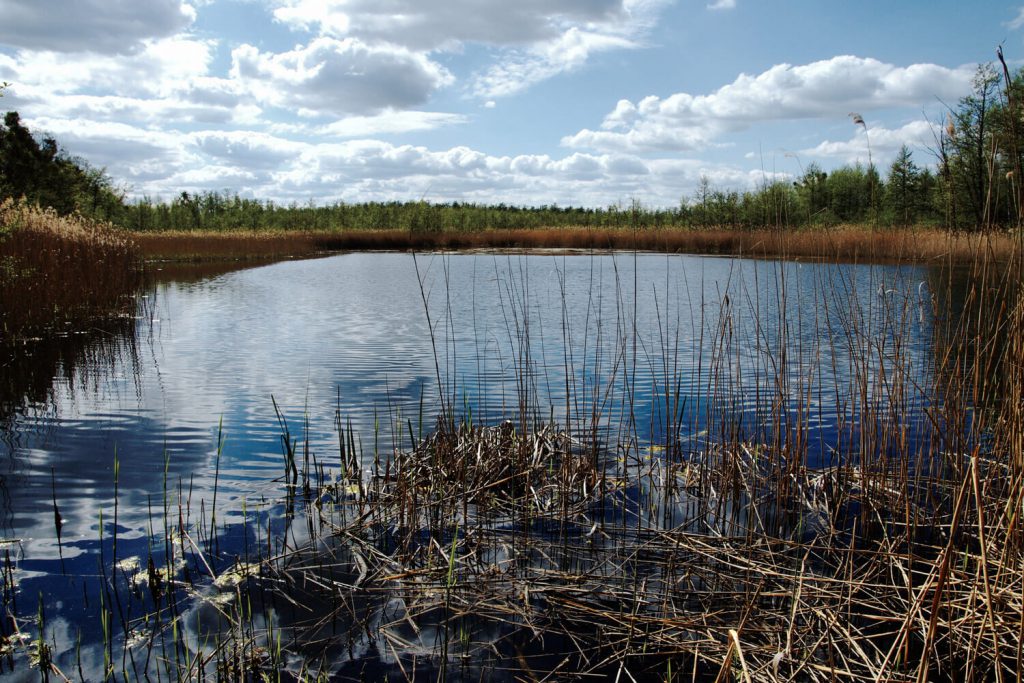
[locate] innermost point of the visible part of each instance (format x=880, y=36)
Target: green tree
x=902, y=197
x=813, y=194
x=849, y=193
x=971, y=153
x=42, y=173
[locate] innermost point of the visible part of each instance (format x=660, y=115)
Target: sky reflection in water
x=348, y=336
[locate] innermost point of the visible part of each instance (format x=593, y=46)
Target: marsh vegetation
x=569, y=464
x=645, y=466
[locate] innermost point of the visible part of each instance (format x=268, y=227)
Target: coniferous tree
x=903, y=189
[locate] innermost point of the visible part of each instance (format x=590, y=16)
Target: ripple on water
x=348, y=336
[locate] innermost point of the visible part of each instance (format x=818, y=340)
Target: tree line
x=972, y=182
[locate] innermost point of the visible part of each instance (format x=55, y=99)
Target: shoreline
x=846, y=244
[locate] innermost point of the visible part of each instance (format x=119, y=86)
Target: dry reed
x=845, y=243
x=60, y=271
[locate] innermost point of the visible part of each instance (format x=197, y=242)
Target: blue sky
x=581, y=102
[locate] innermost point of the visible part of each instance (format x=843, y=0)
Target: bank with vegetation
x=59, y=272
x=970, y=183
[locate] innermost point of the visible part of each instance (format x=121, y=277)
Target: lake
x=189, y=396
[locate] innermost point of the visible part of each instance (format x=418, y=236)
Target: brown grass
x=234, y=245
x=60, y=271
x=845, y=243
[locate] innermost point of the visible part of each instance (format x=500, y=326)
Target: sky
x=526, y=102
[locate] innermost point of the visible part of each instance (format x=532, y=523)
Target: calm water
x=647, y=347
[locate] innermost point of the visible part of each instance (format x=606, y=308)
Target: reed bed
x=861, y=580
x=198, y=246
x=60, y=271
x=844, y=243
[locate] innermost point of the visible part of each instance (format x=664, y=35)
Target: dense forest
x=971, y=181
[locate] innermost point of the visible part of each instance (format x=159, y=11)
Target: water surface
x=646, y=350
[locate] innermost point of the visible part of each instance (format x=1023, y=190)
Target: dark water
x=646, y=349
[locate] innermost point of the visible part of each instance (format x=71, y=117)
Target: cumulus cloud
x=390, y=122
x=535, y=39
x=722, y=4
x=884, y=142
x=339, y=77
x=103, y=26
x=827, y=88
x=246, y=149
x=433, y=24
x=298, y=124
x=107, y=108
x=159, y=67
x=165, y=163
x=130, y=153
x=166, y=83
x=369, y=169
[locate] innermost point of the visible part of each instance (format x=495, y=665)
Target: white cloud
x=104, y=26
x=166, y=83
x=828, y=88
x=1017, y=21
x=364, y=90
x=390, y=121
x=214, y=177
x=339, y=77
x=522, y=68
x=164, y=163
x=130, y=153
x=111, y=108
x=159, y=67
x=433, y=24
x=884, y=142
x=722, y=4
x=247, y=149
x=535, y=39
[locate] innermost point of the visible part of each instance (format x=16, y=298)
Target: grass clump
x=488, y=467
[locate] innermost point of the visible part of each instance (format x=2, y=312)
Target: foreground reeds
x=484, y=552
